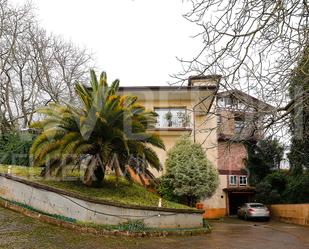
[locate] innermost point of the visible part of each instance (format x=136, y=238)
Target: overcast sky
x=136, y=41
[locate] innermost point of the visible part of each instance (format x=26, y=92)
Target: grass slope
x=121, y=192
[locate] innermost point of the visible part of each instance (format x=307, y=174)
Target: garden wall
x=291, y=213
x=59, y=202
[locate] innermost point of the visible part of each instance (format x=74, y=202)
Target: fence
x=291, y=213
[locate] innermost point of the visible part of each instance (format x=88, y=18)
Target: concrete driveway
x=20, y=232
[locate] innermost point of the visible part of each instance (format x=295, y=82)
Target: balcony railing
x=173, y=118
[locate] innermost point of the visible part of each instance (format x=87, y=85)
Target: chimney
x=204, y=80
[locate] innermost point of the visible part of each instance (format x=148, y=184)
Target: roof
x=240, y=189
x=167, y=88
x=203, y=77
x=150, y=93
x=245, y=97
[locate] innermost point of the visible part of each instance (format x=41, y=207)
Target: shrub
x=297, y=190
x=263, y=158
x=166, y=190
x=271, y=189
x=189, y=174
x=281, y=188
x=266, y=194
x=132, y=226
x=14, y=148
x=277, y=180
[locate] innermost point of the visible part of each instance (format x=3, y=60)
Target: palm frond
x=107, y=125
x=94, y=81
x=103, y=79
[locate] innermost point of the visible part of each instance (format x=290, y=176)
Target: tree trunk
x=191, y=201
x=94, y=174
x=99, y=174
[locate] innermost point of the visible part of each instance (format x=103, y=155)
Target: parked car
x=253, y=210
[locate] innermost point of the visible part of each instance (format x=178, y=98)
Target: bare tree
x=11, y=30
x=254, y=45
x=35, y=67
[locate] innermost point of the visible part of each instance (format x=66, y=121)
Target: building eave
x=215, y=77
x=245, y=97
x=239, y=190
x=168, y=88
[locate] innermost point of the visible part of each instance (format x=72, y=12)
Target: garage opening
x=236, y=200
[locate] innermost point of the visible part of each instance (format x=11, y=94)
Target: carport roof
x=240, y=190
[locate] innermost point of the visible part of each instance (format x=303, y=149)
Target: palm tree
x=109, y=130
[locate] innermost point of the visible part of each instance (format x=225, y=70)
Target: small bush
x=189, y=175
x=297, y=190
x=266, y=194
x=270, y=190
x=166, y=190
x=14, y=148
x=279, y=187
x=132, y=226
x=206, y=224
x=277, y=180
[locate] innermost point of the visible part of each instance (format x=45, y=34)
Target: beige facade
x=196, y=101
x=216, y=127
x=216, y=205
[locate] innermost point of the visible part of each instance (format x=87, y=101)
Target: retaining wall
x=59, y=202
x=291, y=213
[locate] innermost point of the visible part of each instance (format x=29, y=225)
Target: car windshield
x=256, y=205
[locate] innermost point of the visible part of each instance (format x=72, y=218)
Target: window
x=228, y=102
x=173, y=117
x=225, y=102
x=233, y=180
x=243, y=180
x=239, y=124
x=221, y=102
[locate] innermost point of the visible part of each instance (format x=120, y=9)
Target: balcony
x=173, y=118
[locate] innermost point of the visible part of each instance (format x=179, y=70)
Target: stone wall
x=59, y=202
x=291, y=213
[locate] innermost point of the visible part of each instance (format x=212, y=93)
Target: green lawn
x=123, y=192
x=26, y=172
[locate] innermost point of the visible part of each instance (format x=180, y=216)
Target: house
x=221, y=122
x=182, y=110
x=239, y=120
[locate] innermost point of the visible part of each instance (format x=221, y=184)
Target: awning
x=240, y=190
